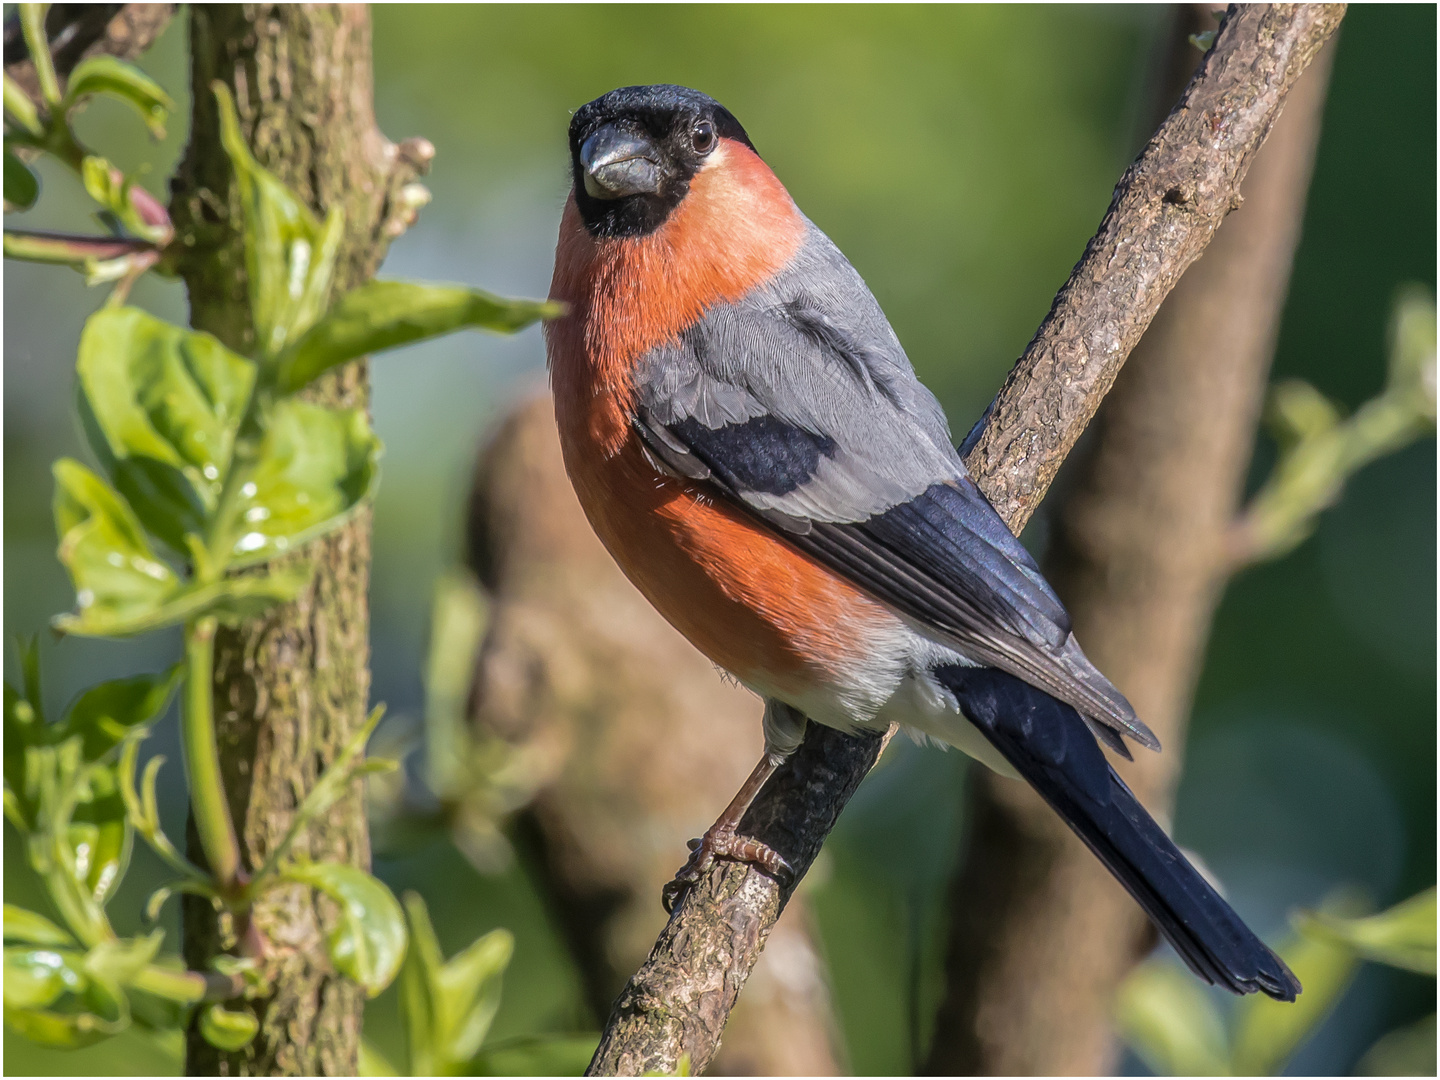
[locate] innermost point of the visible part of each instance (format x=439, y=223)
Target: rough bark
x=635, y=741
x=1041, y=933
x=1165, y=210
x=79, y=31
x=292, y=687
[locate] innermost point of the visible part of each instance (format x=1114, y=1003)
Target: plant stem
x=32, y=24
x=202, y=757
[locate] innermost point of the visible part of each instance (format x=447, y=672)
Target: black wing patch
x=945, y=558
x=763, y=454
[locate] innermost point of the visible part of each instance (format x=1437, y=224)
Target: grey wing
x=799, y=404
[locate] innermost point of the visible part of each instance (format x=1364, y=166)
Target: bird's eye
x=702, y=137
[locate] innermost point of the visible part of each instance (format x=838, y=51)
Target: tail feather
x=1049, y=744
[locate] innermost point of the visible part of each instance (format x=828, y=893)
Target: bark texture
x=1165, y=210
x=1041, y=933
x=635, y=741
x=292, y=687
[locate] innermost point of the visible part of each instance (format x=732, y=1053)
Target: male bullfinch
x=750, y=442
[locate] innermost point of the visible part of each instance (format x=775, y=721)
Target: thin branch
x=1165, y=210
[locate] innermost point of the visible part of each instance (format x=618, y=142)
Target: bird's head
x=635, y=151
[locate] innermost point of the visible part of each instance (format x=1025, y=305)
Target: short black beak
x=617, y=163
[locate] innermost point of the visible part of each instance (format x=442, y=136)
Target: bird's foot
x=722, y=843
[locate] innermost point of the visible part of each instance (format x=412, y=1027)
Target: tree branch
x=1165, y=210
x=79, y=31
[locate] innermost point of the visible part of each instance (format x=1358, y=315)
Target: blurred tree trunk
x=637, y=740
x=1041, y=934
x=290, y=688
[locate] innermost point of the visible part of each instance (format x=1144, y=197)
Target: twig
x=1166, y=208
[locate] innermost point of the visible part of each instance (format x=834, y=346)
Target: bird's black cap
x=634, y=151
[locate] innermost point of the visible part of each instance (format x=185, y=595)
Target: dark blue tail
x=1049, y=745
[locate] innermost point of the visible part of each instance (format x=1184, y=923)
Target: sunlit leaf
x=33, y=929
x=1268, y=1031
x=469, y=986
x=289, y=252
x=35, y=978
x=160, y=392
x=419, y=993
x=118, y=578
x=448, y=1007
x=118, y=961
x=116, y=78
x=1403, y=936
x=107, y=712
x=316, y=465
x=228, y=1029
x=1170, y=1021
x=383, y=314
x=368, y=944
x=22, y=187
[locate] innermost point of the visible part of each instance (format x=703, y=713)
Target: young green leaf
x=33, y=929
x=1403, y=936
x=109, y=711
x=1170, y=1021
x=384, y=314
x=120, y=960
x=368, y=944
x=22, y=187
x=289, y=252
x=419, y=992
x=35, y=978
x=101, y=837
x=116, y=78
x=119, y=581
x=160, y=392
x=228, y=1029
x=315, y=467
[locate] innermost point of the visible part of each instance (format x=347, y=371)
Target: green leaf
x=21, y=108
x=1168, y=1018
x=384, y=314
x=36, y=978
x=85, y=1009
x=1268, y=1031
x=107, y=712
x=111, y=188
x=1406, y=1051
x=227, y=1029
x=448, y=1007
x=289, y=252
x=119, y=961
x=22, y=729
x=33, y=929
x=373, y=1062
x=368, y=944
x=536, y=1055
x=163, y=393
x=116, y=78
x=1403, y=936
x=22, y=187
x=118, y=578
x=100, y=836
x=315, y=467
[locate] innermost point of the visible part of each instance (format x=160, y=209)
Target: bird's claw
x=722, y=844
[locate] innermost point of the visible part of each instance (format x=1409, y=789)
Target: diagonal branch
x=1165, y=210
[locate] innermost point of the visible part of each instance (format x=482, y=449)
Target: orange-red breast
x=748, y=439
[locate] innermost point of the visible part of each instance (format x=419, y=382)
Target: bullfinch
x=749, y=441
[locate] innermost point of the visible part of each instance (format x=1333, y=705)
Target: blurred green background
x=960, y=157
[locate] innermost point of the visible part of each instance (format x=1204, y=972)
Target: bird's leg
x=721, y=841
